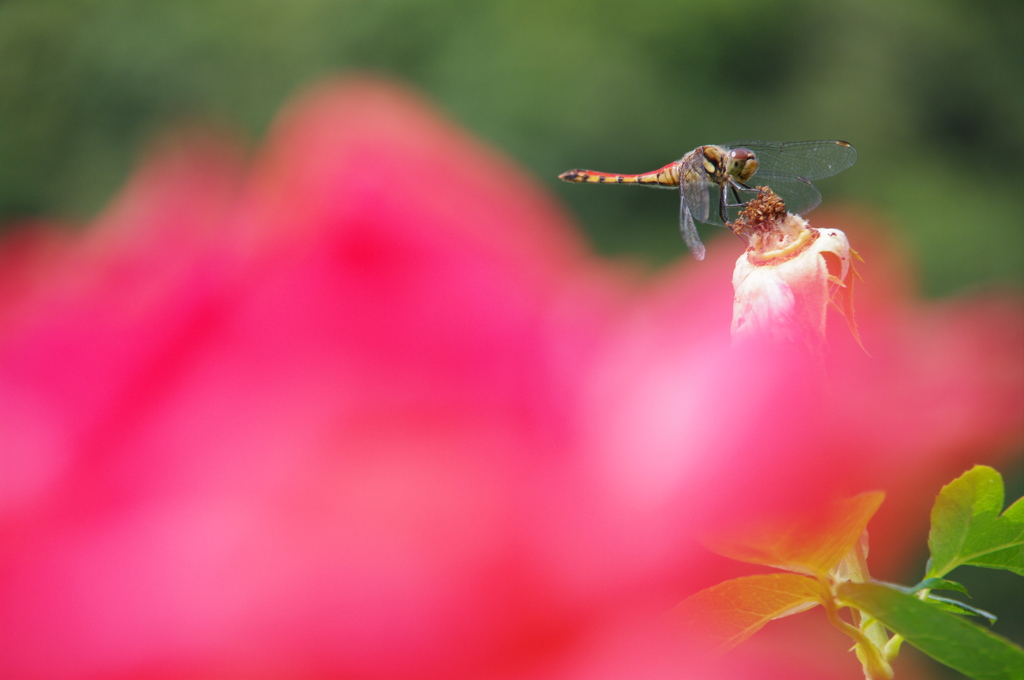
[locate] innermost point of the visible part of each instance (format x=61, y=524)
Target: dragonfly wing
x=693, y=185
x=800, y=196
x=810, y=160
x=689, y=231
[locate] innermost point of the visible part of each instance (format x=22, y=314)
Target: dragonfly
x=708, y=174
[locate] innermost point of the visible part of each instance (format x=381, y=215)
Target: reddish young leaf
x=809, y=544
x=726, y=614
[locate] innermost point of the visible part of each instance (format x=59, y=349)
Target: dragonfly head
x=741, y=164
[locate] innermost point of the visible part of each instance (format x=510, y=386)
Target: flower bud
x=789, y=274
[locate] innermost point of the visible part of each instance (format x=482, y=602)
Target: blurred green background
x=930, y=92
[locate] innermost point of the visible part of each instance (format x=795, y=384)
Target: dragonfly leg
x=736, y=187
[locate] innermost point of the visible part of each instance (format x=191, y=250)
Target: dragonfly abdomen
x=667, y=176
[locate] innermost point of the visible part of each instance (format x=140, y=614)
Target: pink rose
x=365, y=406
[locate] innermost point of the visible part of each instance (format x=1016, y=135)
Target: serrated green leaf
x=726, y=614
x=940, y=584
x=812, y=544
x=957, y=607
x=968, y=529
x=947, y=638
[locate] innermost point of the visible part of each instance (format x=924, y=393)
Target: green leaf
x=947, y=638
x=940, y=584
x=726, y=614
x=956, y=607
x=814, y=543
x=967, y=527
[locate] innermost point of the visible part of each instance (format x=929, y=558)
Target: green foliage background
x=931, y=92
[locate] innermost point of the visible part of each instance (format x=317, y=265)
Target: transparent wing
x=799, y=196
x=689, y=231
x=693, y=186
x=810, y=160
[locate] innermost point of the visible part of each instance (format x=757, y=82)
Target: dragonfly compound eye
x=741, y=164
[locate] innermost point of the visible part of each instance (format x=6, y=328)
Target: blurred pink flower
x=366, y=407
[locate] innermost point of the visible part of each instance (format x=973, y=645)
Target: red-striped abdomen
x=667, y=176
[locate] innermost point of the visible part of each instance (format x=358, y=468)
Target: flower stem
x=872, y=659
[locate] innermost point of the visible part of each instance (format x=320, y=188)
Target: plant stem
x=875, y=665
